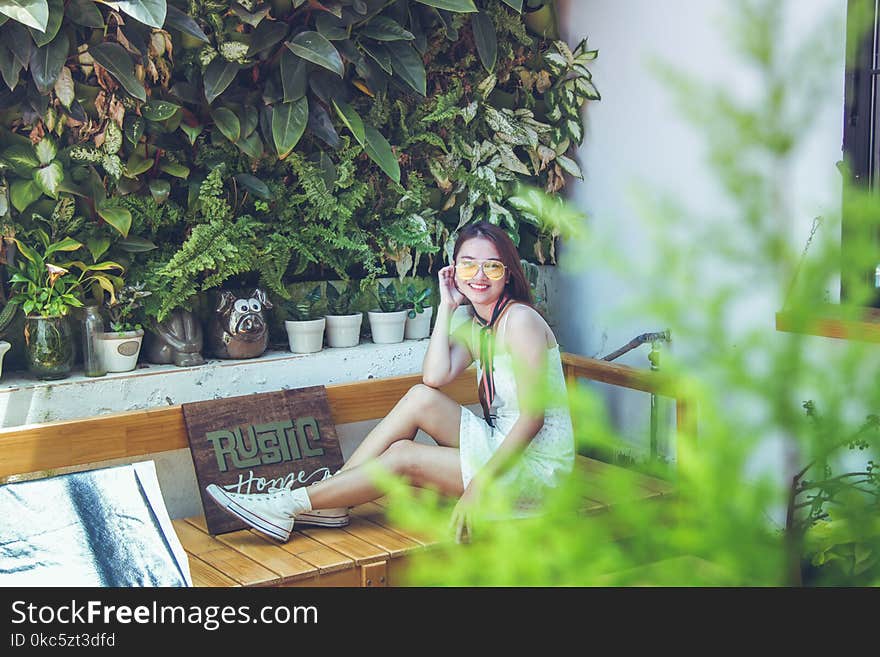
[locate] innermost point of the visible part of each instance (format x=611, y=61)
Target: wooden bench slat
x=195, y=539
x=205, y=575
x=395, y=544
x=269, y=554
x=348, y=544
x=325, y=559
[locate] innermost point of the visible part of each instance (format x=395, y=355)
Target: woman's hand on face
x=449, y=294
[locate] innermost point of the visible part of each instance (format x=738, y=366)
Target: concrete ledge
x=25, y=400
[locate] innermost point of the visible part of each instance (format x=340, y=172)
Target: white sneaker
x=336, y=517
x=269, y=513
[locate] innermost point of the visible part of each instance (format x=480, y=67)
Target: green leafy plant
x=305, y=308
x=388, y=297
x=49, y=289
x=417, y=300
x=339, y=301
x=122, y=311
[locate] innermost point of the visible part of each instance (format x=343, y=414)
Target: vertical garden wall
x=177, y=147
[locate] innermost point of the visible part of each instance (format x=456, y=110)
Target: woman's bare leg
x=422, y=407
x=423, y=466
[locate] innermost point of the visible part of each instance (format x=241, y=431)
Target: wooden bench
x=371, y=551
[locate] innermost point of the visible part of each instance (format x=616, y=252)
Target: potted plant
x=387, y=323
x=46, y=291
x=118, y=348
x=305, y=329
x=343, y=325
x=418, y=319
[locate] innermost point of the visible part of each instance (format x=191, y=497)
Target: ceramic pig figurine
x=238, y=327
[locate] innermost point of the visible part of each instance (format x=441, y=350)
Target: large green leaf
x=85, y=13
x=383, y=28
x=117, y=61
x=486, y=39
x=318, y=50
x=380, y=152
x=160, y=190
x=119, y=218
x=288, y=124
x=33, y=13
x=45, y=150
x=20, y=42
x=159, y=110
x=148, y=12
x=46, y=62
x=252, y=145
x=218, y=76
x=227, y=122
x=254, y=185
x=267, y=34
x=134, y=244
x=22, y=158
x=380, y=55
x=9, y=67
x=408, y=65
x=24, y=192
x=352, y=121
x=56, y=13
x=451, y=5
x=137, y=165
x=294, y=76
x=49, y=177
x=174, y=168
x=330, y=27
x=178, y=20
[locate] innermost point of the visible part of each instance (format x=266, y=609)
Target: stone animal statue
x=238, y=327
x=177, y=340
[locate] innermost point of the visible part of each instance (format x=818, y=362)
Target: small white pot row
x=344, y=330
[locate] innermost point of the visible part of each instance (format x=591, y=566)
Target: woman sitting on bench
x=515, y=445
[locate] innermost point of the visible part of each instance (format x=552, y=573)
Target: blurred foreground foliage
x=780, y=487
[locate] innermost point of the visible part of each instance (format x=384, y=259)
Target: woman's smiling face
x=480, y=289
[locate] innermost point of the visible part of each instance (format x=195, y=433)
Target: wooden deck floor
x=370, y=551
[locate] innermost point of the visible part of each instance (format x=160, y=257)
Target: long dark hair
x=517, y=287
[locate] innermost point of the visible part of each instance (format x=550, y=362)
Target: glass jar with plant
x=305, y=328
x=387, y=323
x=118, y=349
x=418, y=317
x=46, y=291
x=342, y=322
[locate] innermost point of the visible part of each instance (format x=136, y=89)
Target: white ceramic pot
x=344, y=330
x=4, y=347
x=118, y=352
x=305, y=337
x=387, y=327
x=420, y=327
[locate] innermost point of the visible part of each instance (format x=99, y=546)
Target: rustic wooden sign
x=260, y=443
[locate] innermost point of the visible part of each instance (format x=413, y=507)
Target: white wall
x=636, y=138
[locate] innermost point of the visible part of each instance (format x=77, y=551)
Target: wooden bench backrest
x=52, y=445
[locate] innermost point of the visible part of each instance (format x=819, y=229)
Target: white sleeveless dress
x=551, y=453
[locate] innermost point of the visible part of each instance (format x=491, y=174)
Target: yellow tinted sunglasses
x=467, y=269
